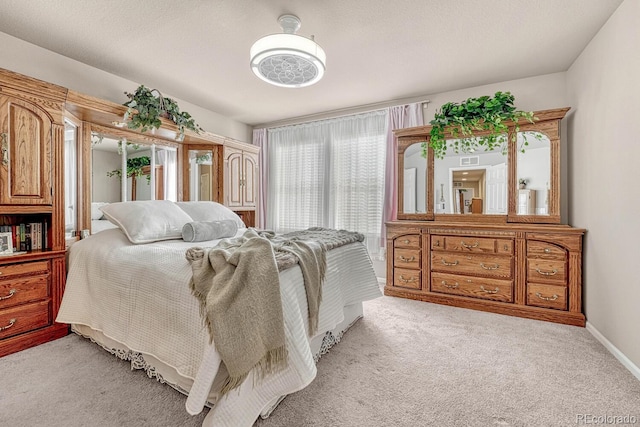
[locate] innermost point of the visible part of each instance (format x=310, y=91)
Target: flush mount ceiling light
x=287, y=59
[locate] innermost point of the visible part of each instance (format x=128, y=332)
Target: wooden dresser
x=505, y=251
x=528, y=271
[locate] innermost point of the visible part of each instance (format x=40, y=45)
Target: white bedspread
x=138, y=295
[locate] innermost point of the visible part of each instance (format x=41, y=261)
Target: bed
x=134, y=300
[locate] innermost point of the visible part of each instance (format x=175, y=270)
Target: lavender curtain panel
x=401, y=116
x=260, y=139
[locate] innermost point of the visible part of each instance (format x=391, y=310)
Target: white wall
x=28, y=59
x=604, y=158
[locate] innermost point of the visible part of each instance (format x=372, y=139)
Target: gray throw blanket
x=238, y=286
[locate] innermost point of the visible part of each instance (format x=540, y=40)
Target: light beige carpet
x=406, y=363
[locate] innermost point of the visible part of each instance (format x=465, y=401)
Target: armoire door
x=249, y=179
x=233, y=160
x=25, y=157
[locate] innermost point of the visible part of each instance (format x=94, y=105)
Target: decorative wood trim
x=541, y=116
x=448, y=231
x=511, y=309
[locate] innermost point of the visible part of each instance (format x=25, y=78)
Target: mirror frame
x=84, y=162
x=547, y=122
x=403, y=143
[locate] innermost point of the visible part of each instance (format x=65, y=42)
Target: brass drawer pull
x=406, y=241
x=547, y=273
x=449, y=263
x=553, y=298
x=547, y=250
x=411, y=259
x=437, y=243
x=12, y=292
x=402, y=279
x=444, y=283
x=489, y=291
x=475, y=245
x=493, y=267
x=11, y=323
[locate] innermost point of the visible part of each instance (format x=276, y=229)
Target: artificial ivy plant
x=458, y=122
x=146, y=106
x=134, y=168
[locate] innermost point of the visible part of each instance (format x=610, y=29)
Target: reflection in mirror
x=70, y=179
x=471, y=183
x=200, y=175
x=110, y=155
x=415, y=180
x=534, y=174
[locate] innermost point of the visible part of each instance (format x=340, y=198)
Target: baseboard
x=635, y=370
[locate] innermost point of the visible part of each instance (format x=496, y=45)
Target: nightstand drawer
x=406, y=258
x=26, y=268
x=23, y=289
x=476, y=287
x=546, y=271
x=549, y=296
x=404, y=278
x=24, y=318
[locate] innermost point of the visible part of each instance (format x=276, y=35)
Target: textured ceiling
x=377, y=50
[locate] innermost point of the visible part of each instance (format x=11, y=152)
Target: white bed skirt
x=165, y=374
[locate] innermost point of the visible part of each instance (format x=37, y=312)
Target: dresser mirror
x=533, y=174
x=113, y=154
x=413, y=180
x=201, y=171
x=517, y=182
x=70, y=179
x=471, y=183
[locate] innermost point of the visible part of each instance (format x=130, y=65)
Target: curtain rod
x=330, y=114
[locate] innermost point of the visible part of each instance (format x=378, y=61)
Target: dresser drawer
x=475, y=265
x=476, y=287
x=24, y=318
x=545, y=250
x=23, y=289
x=549, y=296
x=406, y=258
x=472, y=244
x=407, y=241
x=405, y=278
x=546, y=271
x=10, y=270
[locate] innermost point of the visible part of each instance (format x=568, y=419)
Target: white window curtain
x=168, y=158
x=329, y=173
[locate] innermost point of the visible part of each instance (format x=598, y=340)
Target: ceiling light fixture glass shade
x=288, y=60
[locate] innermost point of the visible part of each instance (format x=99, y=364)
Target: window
x=329, y=174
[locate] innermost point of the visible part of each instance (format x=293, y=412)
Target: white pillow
x=210, y=211
x=147, y=221
x=96, y=213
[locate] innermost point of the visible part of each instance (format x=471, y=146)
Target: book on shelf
x=31, y=236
